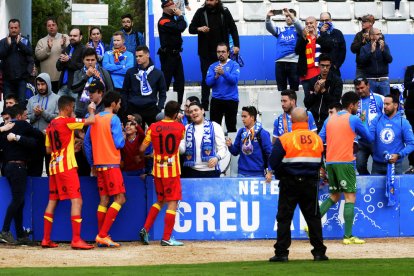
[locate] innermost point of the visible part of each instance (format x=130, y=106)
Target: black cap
x=96, y=85
x=166, y=3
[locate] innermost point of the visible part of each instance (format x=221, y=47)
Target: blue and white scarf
x=247, y=136
x=329, y=30
x=142, y=76
x=372, y=109
x=100, y=49
x=207, y=144
x=390, y=181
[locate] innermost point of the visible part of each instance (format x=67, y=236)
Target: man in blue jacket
x=375, y=58
x=253, y=144
x=393, y=134
x=286, y=58
x=223, y=77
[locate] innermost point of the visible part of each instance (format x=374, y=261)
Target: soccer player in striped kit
x=165, y=136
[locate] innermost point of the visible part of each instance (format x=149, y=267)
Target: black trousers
x=205, y=63
x=294, y=190
x=226, y=108
x=16, y=175
x=148, y=114
x=172, y=66
x=409, y=113
x=188, y=172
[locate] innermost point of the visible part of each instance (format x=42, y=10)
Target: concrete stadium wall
x=220, y=209
x=258, y=53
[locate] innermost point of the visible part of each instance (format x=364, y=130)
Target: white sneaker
x=397, y=13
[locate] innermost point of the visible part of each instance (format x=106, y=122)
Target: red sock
x=47, y=226
x=152, y=215
x=109, y=219
x=169, y=222
x=101, y=213
x=76, y=228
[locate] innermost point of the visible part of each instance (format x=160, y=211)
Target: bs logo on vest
x=387, y=135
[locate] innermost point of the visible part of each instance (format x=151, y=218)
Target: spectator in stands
x=17, y=139
x=83, y=78
x=118, y=60
x=186, y=119
x=95, y=42
x=132, y=164
x=283, y=123
x=17, y=59
x=41, y=110
x=223, y=78
x=170, y=26
x=370, y=105
x=392, y=134
x=213, y=24
x=132, y=38
x=332, y=42
x=253, y=144
x=10, y=100
x=334, y=108
x=325, y=89
x=308, y=51
x=69, y=61
x=286, y=58
x=375, y=57
x=360, y=39
x=48, y=50
x=409, y=107
x=144, y=90
x=203, y=146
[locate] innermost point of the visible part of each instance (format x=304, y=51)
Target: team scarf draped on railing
x=207, y=144
x=390, y=180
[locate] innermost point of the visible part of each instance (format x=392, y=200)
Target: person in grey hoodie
x=41, y=109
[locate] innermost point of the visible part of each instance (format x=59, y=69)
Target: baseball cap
x=166, y=3
x=367, y=18
x=96, y=85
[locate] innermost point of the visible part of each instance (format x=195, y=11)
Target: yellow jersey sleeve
x=147, y=139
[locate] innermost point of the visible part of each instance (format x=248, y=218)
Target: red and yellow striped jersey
x=165, y=136
x=60, y=138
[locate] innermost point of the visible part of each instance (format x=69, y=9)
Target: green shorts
x=342, y=178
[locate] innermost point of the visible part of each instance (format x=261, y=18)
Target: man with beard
x=41, y=110
x=133, y=39
x=48, y=50
x=144, y=90
x=339, y=132
x=69, y=61
x=223, y=77
x=283, y=123
x=213, y=24
x=393, y=134
x=17, y=61
x=170, y=27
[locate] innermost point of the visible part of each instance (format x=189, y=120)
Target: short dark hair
x=290, y=93
x=111, y=97
x=120, y=34
x=193, y=99
x=395, y=98
x=14, y=20
x=12, y=96
x=14, y=110
x=292, y=11
x=325, y=57
x=76, y=28
x=349, y=98
x=143, y=48
x=51, y=18
x=65, y=101
x=128, y=15
x=89, y=52
x=94, y=28
x=251, y=110
x=196, y=104
x=171, y=108
x=336, y=105
x=358, y=81
x=223, y=44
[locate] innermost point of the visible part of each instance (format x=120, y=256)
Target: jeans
x=286, y=72
x=380, y=87
x=364, y=151
x=381, y=168
x=16, y=87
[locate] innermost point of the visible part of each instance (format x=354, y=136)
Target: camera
x=277, y=12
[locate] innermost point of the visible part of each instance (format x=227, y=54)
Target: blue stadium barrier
x=258, y=53
x=221, y=209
